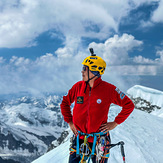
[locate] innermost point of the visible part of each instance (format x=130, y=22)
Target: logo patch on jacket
x=122, y=95
x=99, y=101
x=80, y=100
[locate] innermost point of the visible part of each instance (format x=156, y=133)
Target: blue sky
x=42, y=43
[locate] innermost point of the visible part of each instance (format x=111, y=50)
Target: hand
x=108, y=126
x=72, y=127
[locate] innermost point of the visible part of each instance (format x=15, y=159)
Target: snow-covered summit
x=153, y=96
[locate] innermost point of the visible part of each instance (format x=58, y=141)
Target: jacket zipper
x=88, y=108
x=90, y=92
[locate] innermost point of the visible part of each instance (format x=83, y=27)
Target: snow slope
x=141, y=132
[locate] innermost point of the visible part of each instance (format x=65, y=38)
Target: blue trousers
x=76, y=159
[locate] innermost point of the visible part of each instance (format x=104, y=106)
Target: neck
x=91, y=82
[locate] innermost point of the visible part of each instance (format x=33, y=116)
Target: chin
x=84, y=79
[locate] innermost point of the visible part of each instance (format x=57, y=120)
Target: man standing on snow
x=93, y=97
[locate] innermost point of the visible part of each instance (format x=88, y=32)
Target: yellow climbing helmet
x=95, y=63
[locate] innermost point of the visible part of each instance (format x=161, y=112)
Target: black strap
x=88, y=81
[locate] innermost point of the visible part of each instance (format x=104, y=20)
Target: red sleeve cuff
x=68, y=119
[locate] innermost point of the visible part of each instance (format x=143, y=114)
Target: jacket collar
x=97, y=82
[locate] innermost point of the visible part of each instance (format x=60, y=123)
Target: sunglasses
x=84, y=68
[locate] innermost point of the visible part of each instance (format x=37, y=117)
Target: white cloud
x=157, y=14
x=146, y=24
x=58, y=72
x=22, y=21
x=2, y=60
x=115, y=50
x=160, y=54
x=157, y=61
x=142, y=60
x=18, y=61
x=135, y=70
x=48, y=73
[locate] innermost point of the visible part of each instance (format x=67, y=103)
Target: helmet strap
x=88, y=80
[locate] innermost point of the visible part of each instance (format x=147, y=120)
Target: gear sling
x=83, y=152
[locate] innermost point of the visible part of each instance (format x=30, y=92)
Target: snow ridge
x=155, y=97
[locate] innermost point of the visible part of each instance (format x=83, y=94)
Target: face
x=85, y=73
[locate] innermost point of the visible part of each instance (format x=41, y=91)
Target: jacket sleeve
x=66, y=103
x=119, y=98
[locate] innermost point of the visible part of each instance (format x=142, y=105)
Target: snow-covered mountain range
x=30, y=126
x=142, y=132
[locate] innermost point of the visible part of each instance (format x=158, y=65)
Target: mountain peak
x=154, y=96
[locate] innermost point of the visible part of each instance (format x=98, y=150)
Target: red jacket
x=92, y=107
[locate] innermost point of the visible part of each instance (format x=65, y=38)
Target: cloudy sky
x=42, y=43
